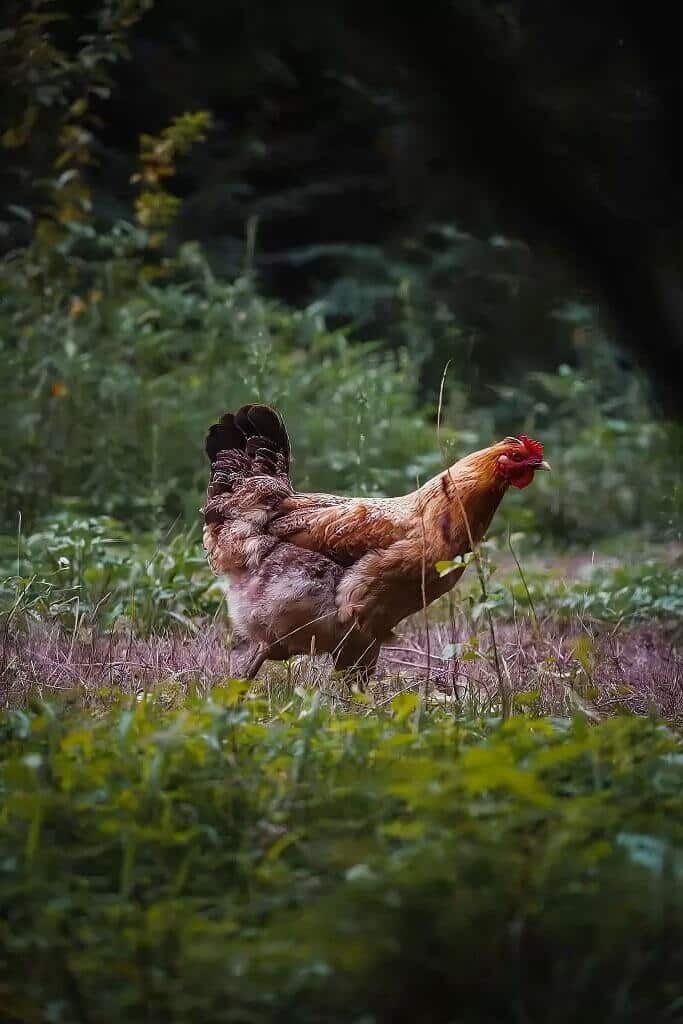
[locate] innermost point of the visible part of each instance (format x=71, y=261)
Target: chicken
x=318, y=573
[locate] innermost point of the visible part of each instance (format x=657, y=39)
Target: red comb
x=535, y=448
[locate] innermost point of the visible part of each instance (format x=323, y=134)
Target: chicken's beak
x=543, y=465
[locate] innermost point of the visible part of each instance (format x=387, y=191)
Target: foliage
x=120, y=349
x=113, y=379
x=80, y=570
x=120, y=362
x=312, y=138
x=634, y=591
x=633, y=585
x=235, y=861
x=155, y=207
x=448, y=297
x=55, y=85
x=615, y=465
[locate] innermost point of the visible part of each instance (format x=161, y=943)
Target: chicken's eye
x=516, y=457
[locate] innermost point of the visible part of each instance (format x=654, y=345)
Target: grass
x=90, y=611
x=244, y=860
x=178, y=845
x=569, y=668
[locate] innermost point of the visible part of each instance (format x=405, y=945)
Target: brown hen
x=318, y=573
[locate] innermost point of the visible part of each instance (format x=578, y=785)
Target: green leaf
x=404, y=704
x=230, y=693
x=450, y=565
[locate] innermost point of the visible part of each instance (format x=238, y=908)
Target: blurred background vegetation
x=212, y=204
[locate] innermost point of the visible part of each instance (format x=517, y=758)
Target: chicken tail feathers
x=223, y=437
x=248, y=443
x=260, y=421
x=238, y=431
x=249, y=454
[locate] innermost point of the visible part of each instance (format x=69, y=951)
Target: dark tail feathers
x=235, y=431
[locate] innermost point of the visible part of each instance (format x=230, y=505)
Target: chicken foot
x=356, y=658
x=250, y=658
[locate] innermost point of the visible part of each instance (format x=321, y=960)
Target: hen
x=317, y=573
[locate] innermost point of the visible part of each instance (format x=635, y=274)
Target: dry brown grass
x=564, y=667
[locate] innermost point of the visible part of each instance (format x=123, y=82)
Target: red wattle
x=523, y=479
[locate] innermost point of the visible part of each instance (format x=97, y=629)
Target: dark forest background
x=350, y=134
x=491, y=187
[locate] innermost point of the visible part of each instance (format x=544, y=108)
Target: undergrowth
x=115, y=369
x=93, y=571
x=239, y=861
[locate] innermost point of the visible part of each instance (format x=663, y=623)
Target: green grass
x=240, y=861
x=94, y=571
x=622, y=590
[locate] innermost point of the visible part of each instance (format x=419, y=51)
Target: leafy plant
x=86, y=571
x=615, y=465
x=111, y=388
x=635, y=592
x=56, y=84
x=271, y=862
x=155, y=207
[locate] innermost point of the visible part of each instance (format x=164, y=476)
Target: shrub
x=110, y=388
x=86, y=571
x=231, y=862
x=615, y=465
x=629, y=592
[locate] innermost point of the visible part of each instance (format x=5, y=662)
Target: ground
x=574, y=632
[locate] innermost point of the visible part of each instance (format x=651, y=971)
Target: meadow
x=493, y=831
